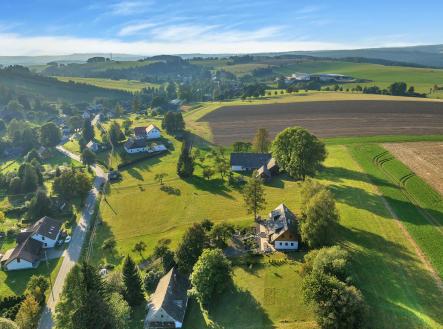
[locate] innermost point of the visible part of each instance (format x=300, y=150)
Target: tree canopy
x=254, y=195
x=210, y=276
x=190, y=247
x=298, y=152
x=133, y=293
x=50, y=135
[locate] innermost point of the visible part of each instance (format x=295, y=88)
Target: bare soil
x=327, y=119
x=425, y=159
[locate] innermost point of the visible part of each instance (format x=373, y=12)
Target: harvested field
x=328, y=119
x=425, y=159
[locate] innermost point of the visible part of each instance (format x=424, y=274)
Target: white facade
x=152, y=132
x=158, y=148
x=136, y=150
x=46, y=242
x=286, y=245
x=18, y=264
x=237, y=168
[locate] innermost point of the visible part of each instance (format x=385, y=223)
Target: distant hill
x=431, y=56
x=62, y=59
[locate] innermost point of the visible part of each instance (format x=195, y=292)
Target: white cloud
x=309, y=9
x=135, y=28
x=129, y=7
x=14, y=45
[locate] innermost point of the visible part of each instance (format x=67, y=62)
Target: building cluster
x=145, y=140
x=32, y=244
x=326, y=77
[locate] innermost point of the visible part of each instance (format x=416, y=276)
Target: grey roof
x=29, y=250
x=136, y=143
x=281, y=219
x=47, y=227
x=263, y=171
x=171, y=295
x=250, y=160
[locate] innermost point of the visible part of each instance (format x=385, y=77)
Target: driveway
x=72, y=253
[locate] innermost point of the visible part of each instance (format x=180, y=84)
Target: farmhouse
x=278, y=231
x=134, y=145
x=167, y=306
x=150, y=132
x=268, y=170
x=93, y=146
x=30, y=244
x=248, y=161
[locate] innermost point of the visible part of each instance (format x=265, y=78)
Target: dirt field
x=424, y=158
x=327, y=119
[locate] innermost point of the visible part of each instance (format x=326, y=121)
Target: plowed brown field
x=327, y=119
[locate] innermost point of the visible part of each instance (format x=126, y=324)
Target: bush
x=151, y=280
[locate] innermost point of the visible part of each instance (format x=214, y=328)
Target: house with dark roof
x=31, y=243
x=248, y=161
x=167, y=305
x=279, y=230
x=268, y=170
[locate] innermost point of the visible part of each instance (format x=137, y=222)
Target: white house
x=150, y=132
x=167, y=305
x=279, y=231
x=134, y=145
x=31, y=243
x=248, y=161
x=93, y=146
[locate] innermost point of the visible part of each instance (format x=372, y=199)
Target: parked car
x=68, y=239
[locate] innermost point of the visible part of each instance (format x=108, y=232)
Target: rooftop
x=250, y=160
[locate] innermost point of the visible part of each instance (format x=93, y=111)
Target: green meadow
x=126, y=85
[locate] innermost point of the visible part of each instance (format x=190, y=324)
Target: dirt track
x=327, y=119
x=425, y=159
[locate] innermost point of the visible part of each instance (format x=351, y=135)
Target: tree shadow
x=99, y=254
x=340, y=174
x=213, y=186
x=387, y=266
x=135, y=173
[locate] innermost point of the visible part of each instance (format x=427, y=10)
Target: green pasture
x=126, y=85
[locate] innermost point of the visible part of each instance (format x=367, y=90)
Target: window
x=286, y=243
x=292, y=244
x=18, y=260
x=46, y=244
x=43, y=237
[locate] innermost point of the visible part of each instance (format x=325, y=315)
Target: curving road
x=72, y=253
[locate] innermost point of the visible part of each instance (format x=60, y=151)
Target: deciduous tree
x=254, y=195
x=261, y=141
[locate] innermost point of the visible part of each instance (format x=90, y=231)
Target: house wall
x=137, y=150
x=158, y=316
x=153, y=134
x=14, y=265
x=286, y=245
x=158, y=148
x=47, y=243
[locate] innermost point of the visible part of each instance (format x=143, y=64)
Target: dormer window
x=43, y=237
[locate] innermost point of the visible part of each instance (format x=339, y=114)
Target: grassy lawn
x=270, y=294
x=14, y=282
x=412, y=204
x=394, y=281
x=126, y=85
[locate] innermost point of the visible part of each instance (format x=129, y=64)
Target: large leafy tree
x=133, y=283
x=7, y=324
x=254, y=195
x=29, y=177
x=319, y=219
x=210, y=276
x=191, y=247
x=298, y=152
x=185, y=164
x=261, y=141
x=39, y=206
x=28, y=314
x=88, y=157
x=50, y=135
x=71, y=184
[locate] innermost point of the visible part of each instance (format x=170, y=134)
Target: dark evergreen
x=133, y=283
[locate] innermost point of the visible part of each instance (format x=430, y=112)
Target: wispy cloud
x=14, y=45
x=133, y=29
x=129, y=7
x=309, y=9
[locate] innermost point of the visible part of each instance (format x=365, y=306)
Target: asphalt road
x=72, y=253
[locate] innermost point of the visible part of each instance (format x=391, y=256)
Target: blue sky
x=44, y=27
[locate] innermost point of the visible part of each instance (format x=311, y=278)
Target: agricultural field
x=393, y=277
x=126, y=85
x=424, y=159
x=327, y=119
x=423, y=79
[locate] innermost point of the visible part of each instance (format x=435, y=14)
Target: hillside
x=22, y=81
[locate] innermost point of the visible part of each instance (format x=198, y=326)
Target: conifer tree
x=133, y=283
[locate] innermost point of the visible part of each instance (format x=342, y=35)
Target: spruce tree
x=133, y=283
